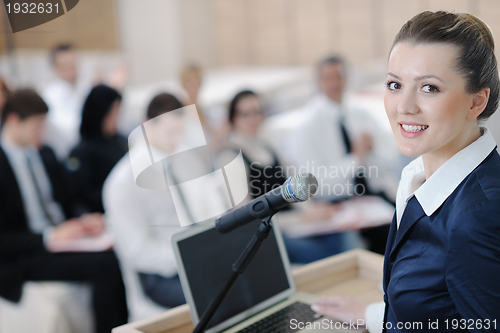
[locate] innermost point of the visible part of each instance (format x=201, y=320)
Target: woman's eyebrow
x=428, y=76
x=394, y=75
x=418, y=78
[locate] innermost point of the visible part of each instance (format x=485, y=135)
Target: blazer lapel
x=388, y=248
x=413, y=212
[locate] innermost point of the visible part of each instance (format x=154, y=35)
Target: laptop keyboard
x=279, y=322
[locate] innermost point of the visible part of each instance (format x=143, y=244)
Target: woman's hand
x=342, y=308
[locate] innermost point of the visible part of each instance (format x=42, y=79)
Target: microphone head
x=299, y=187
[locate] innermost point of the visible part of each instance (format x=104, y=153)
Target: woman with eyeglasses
x=266, y=172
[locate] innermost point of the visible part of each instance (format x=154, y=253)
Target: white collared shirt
x=65, y=102
x=433, y=192
x=143, y=220
x=318, y=147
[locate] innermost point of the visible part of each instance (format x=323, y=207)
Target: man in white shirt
x=65, y=96
x=143, y=220
x=341, y=146
x=337, y=141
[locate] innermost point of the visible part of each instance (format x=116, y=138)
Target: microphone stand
x=238, y=268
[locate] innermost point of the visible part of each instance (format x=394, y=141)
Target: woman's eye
x=429, y=88
x=393, y=85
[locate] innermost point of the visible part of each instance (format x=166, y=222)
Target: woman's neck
x=433, y=160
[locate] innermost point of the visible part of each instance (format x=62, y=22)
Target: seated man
x=35, y=212
x=143, y=220
x=343, y=147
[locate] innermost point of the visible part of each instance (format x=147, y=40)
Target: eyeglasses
x=251, y=114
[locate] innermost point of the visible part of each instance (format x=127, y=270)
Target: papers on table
x=353, y=214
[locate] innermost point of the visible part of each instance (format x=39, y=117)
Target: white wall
x=150, y=38
x=159, y=37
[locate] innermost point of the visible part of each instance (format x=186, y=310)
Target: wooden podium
x=356, y=273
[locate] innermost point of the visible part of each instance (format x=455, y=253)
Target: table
x=356, y=273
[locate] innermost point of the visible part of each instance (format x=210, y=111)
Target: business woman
x=442, y=259
x=100, y=148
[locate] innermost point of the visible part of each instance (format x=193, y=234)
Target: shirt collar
x=326, y=106
x=441, y=184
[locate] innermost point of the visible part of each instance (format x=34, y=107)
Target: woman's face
x=426, y=102
x=110, y=121
x=249, y=115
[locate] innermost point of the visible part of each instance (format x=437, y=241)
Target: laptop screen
x=206, y=260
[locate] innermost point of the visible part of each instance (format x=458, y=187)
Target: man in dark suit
x=35, y=212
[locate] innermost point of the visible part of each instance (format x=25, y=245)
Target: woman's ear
x=479, y=102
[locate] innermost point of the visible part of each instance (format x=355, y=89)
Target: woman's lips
x=412, y=130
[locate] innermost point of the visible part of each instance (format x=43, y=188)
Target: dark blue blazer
x=443, y=271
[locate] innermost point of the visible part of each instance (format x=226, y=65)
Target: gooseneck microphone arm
x=299, y=187
x=263, y=207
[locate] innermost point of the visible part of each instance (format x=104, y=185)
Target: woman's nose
x=407, y=103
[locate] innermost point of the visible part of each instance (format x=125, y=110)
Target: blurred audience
x=100, y=148
x=213, y=120
x=36, y=212
x=263, y=166
x=265, y=172
x=64, y=96
x=143, y=220
x=332, y=136
x=336, y=143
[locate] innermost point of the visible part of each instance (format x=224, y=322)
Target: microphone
x=299, y=187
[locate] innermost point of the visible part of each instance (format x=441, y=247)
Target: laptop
x=264, y=296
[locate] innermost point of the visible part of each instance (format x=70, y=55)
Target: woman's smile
x=412, y=130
